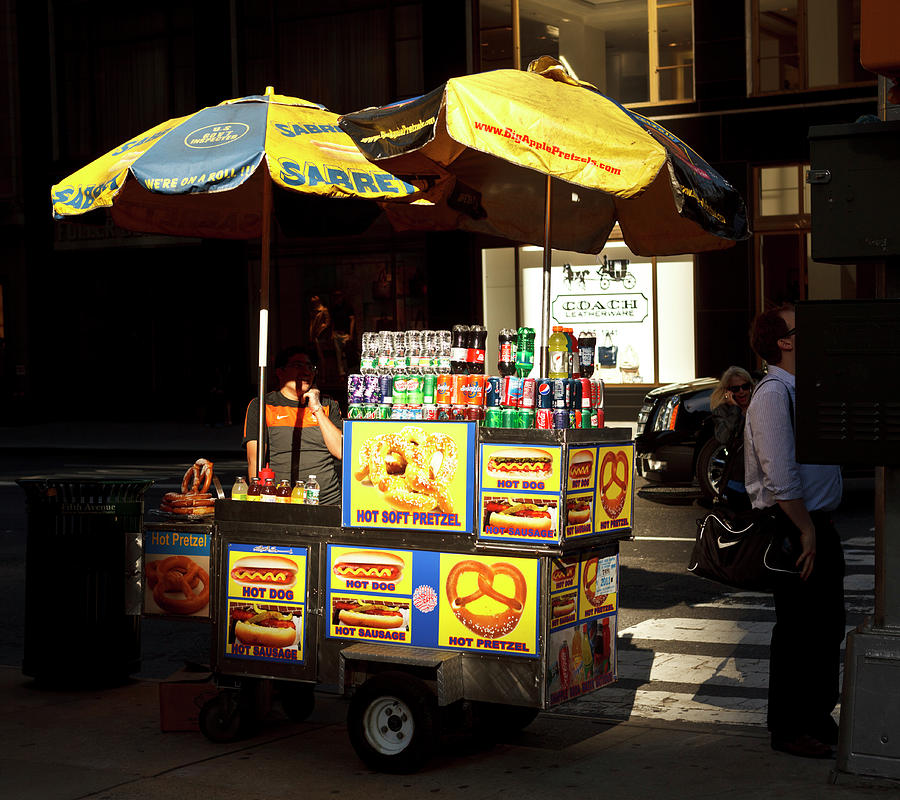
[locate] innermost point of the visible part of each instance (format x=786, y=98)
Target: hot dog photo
x=369, y=613
x=581, y=470
x=264, y=625
x=519, y=462
x=517, y=517
x=562, y=608
x=264, y=570
x=367, y=569
x=579, y=512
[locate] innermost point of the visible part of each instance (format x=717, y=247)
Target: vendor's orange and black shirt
x=295, y=447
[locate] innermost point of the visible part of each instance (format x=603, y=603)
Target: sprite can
x=525, y=418
x=508, y=417
x=493, y=417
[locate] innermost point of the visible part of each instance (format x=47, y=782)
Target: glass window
x=782, y=191
x=635, y=51
x=804, y=44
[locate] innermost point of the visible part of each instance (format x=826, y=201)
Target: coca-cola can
x=543, y=419
x=529, y=389
x=429, y=412
x=511, y=391
x=492, y=391
x=474, y=413
x=586, y=393
x=356, y=388
x=544, y=393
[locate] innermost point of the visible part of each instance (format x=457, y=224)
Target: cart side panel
x=185, y=547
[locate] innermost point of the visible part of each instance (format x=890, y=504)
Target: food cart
x=491, y=600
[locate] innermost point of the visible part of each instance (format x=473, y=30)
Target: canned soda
x=601, y=418
x=429, y=411
x=586, y=418
x=443, y=413
x=428, y=389
x=386, y=382
x=574, y=393
x=355, y=389
x=571, y=417
x=355, y=411
x=398, y=411
x=560, y=393
x=369, y=410
x=543, y=419
x=414, y=411
x=443, y=389
x=383, y=411
x=544, y=394
x=578, y=418
x=528, y=392
x=596, y=394
x=457, y=412
x=586, y=392
x=525, y=418
x=560, y=418
x=372, y=391
x=511, y=392
x=492, y=391
x=414, y=390
x=458, y=390
x=400, y=391
x=508, y=417
x=475, y=390
x=493, y=417
x=474, y=413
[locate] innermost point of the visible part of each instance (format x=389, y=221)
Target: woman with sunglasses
x=729, y=402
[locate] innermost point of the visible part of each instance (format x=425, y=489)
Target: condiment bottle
x=298, y=495
x=254, y=490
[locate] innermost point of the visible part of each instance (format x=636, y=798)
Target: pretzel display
x=198, y=477
x=613, y=507
x=589, y=580
x=411, y=468
x=491, y=626
x=194, y=499
x=174, y=576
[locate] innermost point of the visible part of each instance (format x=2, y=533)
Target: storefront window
x=635, y=51
x=640, y=310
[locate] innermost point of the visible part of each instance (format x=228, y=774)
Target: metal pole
x=266, y=247
x=516, y=35
x=545, y=296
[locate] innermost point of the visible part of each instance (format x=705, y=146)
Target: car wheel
x=710, y=467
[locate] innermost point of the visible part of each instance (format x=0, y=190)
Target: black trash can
x=82, y=579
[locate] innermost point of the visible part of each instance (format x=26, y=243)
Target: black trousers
x=805, y=654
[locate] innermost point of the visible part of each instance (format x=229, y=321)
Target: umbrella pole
x=545, y=297
x=266, y=247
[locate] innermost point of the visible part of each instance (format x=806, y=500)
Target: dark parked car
x=675, y=441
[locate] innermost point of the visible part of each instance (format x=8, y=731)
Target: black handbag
x=746, y=551
x=608, y=353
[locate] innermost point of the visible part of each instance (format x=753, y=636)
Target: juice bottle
x=283, y=492
x=239, y=490
x=267, y=493
x=558, y=347
x=254, y=490
x=298, y=495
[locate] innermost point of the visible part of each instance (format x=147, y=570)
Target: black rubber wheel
x=392, y=722
x=221, y=718
x=710, y=467
x=297, y=699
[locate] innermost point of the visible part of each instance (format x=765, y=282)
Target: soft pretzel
x=491, y=626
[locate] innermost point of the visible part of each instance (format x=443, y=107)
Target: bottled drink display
x=267, y=492
x=459, y=350
x=506, y=352
x=476, y=349
x=524, y=352
x=587, y=345
x=239, y=490
x=559, y=348
x=312, y=491
x=298, y=493
x=254, y=489
x=283, y=491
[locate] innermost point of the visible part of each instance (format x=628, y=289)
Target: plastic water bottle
x=444, y=350
x=312, y=491
x=368, y=356
x=298, y=494
x=239, y=490
x=413, y=351
x=398, y=363
x=385, y=344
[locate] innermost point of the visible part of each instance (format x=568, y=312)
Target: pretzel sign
x=616, y=477
x=589, y=581
x=491, y=626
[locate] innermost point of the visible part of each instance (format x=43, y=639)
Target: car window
x=698, y=402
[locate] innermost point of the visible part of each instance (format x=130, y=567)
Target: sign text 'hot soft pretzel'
x=412, y=468
x=617, y=476
x=491, y=626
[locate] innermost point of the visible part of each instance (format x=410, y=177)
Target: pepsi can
x=560, y=418
x=492, y=392
x=544, y=393
x=560, y=392
x=386, y=382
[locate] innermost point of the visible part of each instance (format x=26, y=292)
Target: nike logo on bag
x=725, y=544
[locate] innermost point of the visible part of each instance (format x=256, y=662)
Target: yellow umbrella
x=201, y=175
x=496, y=152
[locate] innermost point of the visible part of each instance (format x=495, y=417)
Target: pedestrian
x=729, y=402
x=805, y=653
x=303, y=430
x=343, y=322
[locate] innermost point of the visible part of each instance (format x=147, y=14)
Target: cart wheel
x=297, y=699
x=391, y=722
x=221, y=719
x=629, y=281
x=501, y=720
x=604, y=282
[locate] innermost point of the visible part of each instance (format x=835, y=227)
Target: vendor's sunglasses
x=743, y=387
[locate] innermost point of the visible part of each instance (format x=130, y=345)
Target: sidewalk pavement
x=106, y=743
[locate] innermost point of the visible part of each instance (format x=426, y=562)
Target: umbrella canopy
x=539, y=157
x=201, y=175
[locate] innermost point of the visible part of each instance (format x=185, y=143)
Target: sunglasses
x=743, y=387
x=791, y=332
